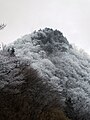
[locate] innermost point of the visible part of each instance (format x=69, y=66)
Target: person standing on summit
x=12, y=52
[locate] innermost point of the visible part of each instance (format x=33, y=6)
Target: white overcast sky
x=72, y=17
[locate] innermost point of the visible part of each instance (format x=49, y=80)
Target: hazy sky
x=72, y=17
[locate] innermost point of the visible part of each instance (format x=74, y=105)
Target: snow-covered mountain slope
x=64, y=67
x=10, y=75
x=23, y=95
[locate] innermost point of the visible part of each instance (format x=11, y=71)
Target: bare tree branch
x=2, y=26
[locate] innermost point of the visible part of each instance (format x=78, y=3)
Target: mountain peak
x=64, y=68
x=51, y=40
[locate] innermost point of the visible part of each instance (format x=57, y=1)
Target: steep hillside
x=23, y=95
x=64, y=67
x=62, y=81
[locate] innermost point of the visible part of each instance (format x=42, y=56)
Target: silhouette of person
x=12, y=51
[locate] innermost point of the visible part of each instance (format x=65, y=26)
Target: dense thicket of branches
x=34, y=100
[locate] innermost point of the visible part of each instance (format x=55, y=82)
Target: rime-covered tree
x=2, y=26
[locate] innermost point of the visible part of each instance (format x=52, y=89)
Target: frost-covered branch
x=2, y=26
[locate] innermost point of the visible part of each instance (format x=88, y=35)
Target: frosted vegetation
x=62, y=65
